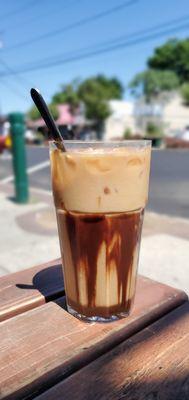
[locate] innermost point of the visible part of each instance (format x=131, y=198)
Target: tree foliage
x=153, y=130
x=185, y=93
x=127, y=133
x=95, y=93
x=34, y=114
x=152, y=82
x=172, y=56
x=112, y=87
x=68, y=95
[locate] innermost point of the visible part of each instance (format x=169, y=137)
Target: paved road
x=169, y=183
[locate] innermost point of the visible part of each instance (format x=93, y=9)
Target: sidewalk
x=29, y=237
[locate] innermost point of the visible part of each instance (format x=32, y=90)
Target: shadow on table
x=49, y=282
x=146, y=366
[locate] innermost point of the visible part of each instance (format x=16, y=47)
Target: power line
x=13, y=89
x=19, y=10
x=148, y=30
x=101, y=49
x=117, y=40
x=49, y=13
x=21, y=80
x=77, y=24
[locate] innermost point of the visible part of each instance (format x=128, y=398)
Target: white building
x=175, y=114
x=121, y=118
x=169, y=112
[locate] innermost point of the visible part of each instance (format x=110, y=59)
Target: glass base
x=97, y=318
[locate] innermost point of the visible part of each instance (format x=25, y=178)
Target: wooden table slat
x=153, y=364
x=43, y=346
x=25, y=290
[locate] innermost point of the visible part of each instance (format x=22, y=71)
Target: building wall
x=175, y=114
x=168, y=112
x=122, y=117
x=172, y=115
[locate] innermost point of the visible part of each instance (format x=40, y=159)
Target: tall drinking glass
x=100, y=192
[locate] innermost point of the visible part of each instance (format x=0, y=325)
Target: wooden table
x=46, y=354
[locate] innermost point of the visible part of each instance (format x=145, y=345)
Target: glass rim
x=134, y=142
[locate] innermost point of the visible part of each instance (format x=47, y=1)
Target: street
x=169, y=181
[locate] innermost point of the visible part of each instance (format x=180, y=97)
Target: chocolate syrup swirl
x=120, y=232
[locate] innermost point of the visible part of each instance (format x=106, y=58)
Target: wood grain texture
x=30, y=288
x=44, y=345
x=152, y=365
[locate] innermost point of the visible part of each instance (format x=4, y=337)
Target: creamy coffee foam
x=94, y=181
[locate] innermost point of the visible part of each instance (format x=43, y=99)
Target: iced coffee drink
x=100, y=192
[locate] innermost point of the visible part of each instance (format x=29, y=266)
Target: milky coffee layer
x=100, y=180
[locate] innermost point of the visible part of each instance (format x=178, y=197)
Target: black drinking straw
x=46, y=115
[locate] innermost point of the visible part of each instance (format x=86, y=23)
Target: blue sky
x=23, y=20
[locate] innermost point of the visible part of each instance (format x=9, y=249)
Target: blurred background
x=108, y=70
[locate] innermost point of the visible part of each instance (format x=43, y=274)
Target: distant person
x=185, y=135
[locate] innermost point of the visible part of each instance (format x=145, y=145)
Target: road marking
x=30, y=170
x=38, y=167
x=5, y=156
x=8, y=179
x=41, y=191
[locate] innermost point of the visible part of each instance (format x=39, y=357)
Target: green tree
x=34, y=114
x=185, y=93
x=152, y=82
x=172, y=56
x=112, y=87
x=127, y=134
x=95, y=93
x=153, y=130
x=68, y=95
